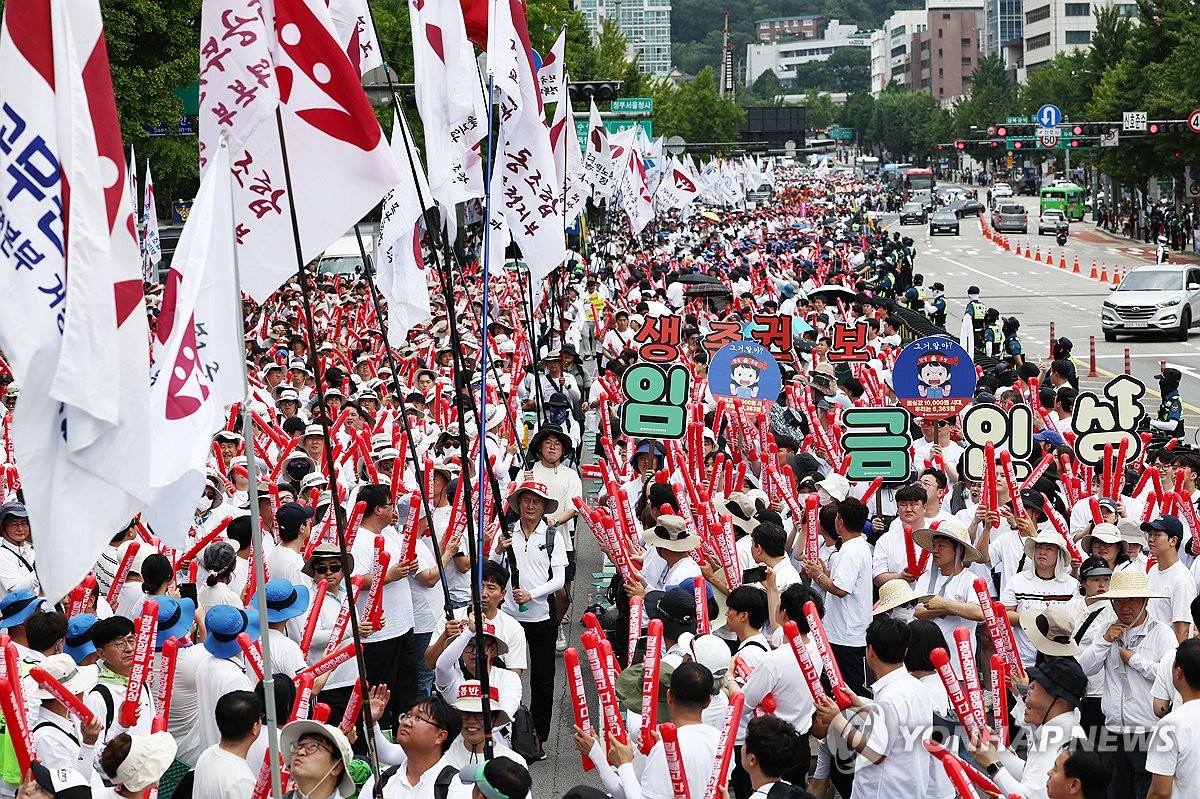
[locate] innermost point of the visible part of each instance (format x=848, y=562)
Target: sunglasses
x=327, y=568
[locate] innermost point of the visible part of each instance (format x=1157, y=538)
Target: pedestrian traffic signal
x=598, y=90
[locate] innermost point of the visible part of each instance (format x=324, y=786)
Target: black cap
x=675, y=608
x=1094, y=566
x=1062, y=677
x=1165, y=523
x=291, y=516
x=1170, y=373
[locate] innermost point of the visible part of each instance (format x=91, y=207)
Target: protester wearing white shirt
x=949, y=590
x=1164, y=535
x=1128, y=653
x=891, y=761
x=689, y=693
x=1174, y=756
x=1051, y=710
x=222, y=771
x=847, y=583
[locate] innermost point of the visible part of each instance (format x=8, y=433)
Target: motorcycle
x=1061, y=238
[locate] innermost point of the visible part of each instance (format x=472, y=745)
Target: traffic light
x=1075, y=142
x=599, y=90
x=1153, y=128
x=960, y=144
x=1015, y=130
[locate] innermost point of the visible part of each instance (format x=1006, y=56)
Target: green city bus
x=1065, y=197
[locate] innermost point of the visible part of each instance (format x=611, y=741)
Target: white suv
x=1155, y=297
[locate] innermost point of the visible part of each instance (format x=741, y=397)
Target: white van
x=344, y=257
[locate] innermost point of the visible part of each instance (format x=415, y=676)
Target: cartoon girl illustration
x=933, y=375
x=744, y=372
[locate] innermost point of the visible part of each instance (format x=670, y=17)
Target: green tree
x=766, y=90
x=1066, y=80
x=856, y=113
x=695, y=110
x=153, y=49
x=848, y=69
x=818, y=110
x=992, y=98
x=1109, y=40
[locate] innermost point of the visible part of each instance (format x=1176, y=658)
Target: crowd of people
x=798, y=622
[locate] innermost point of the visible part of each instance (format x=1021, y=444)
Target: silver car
x=1010, y=218
x=1154, y=298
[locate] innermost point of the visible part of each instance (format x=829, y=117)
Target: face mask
x=203, y=505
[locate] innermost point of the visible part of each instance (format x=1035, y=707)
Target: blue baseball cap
x=175, y=617
x=79, y=636
x=17, y=607
x=1051, y=437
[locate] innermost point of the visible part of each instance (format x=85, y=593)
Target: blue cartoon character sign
x=747, y=373
x=934, y=377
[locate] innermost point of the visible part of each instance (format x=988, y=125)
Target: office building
x=646, y=25
x=782, y=58
x=1004, y=24
x=891, y=49
x=806, y=26
x=946, y=53
x=1053, y=27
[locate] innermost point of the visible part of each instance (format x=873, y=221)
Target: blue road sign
x=1049, y=116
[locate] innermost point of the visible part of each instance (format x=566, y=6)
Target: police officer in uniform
x=917, y=294
x=976, y=310
x=1014, y=351
x=1170, y=412
x=993, y=336
x=935, y=307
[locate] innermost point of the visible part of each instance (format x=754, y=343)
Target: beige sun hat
x=1105, y=533
x=1130, y=584
x=948, y=528
x=892, y=595
x=1051, y=630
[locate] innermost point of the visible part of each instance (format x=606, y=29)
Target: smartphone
x=754, y=575
x=187, y=591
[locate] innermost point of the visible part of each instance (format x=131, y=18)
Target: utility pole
x=727, y=80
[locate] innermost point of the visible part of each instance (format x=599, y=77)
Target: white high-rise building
x=891, y=49
x=782, y=58
x=646, y=25
x=1053, y=27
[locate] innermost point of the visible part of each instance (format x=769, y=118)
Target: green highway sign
x=841, y=134
x=633, y=105
x=614, y=126
x=1016, y=120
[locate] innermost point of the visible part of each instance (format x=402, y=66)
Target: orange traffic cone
x=1094, y=275
x=1038, y=255
x=1007, y=244
x=1075, y=269
x=1062, y=260
x=1116, y=280
x=1103, y=273
x=1049, y=257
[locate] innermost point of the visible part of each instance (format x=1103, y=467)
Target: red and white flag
x=400, y=271
x=74, y=322
x=635, y=194
x=531, y=201
x=340, y=163
x=552, y=72
x=352, y=24
x=597, y=158
x=198, y=349
x=453, y=108
x=677, y=189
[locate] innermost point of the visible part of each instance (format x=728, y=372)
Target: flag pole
x=330, y=467
x=260, y=593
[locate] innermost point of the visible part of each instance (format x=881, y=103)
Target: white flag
x=74, y=322
x=352, y=23
x=453, y=108
x=532, y=203
x=151, y=244
x=597, y=158
x=677, y=189
x=552, y=72
x=340, y=163
x=198, y=352
x=635, y=194
x=400, y=272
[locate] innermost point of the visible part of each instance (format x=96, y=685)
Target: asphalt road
x=1041, y=295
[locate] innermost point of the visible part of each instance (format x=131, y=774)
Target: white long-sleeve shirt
x=1126, y=699
x=1027, y=778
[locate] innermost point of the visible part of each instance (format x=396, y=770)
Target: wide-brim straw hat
x=892, y=595
x=948, y=528
x=1130, y=584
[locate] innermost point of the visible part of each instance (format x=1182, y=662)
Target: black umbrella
x=708, y=289
x=831, y=292
x=697, y=277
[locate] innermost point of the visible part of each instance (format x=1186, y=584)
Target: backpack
x=523, y=737
x=441, y=786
